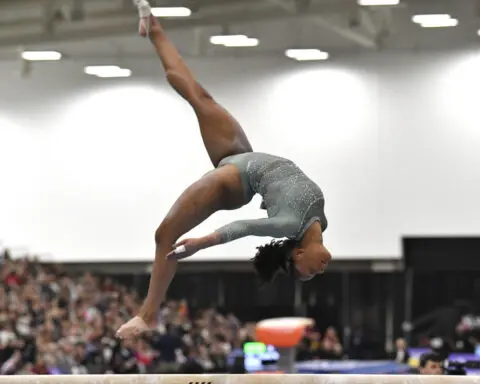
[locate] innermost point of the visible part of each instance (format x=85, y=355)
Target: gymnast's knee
x=190, y=90
x=161, y=234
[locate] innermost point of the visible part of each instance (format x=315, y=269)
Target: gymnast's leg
x=222, y=137
x=221, y=133
x=195, y=205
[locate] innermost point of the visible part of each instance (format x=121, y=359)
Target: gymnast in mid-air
x=294, y=203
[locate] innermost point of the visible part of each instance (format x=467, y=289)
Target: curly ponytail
x=274, y=257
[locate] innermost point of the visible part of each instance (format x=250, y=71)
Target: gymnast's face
x=311, y=260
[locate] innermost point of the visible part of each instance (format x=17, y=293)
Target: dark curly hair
x=274, y=257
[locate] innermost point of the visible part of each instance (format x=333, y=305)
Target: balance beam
x=238, y=379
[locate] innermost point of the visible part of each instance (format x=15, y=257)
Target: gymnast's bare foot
x=134, y=327
x=147, y=22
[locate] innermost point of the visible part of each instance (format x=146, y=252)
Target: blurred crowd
x=52, y=323
x=449, y=330
x=55, y=323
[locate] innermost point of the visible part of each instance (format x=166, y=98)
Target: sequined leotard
x=293, y=201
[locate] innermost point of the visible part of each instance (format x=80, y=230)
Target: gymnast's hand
x=185, y=248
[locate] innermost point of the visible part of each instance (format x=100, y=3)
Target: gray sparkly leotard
x=293, y=201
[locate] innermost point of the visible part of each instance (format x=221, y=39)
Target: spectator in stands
x=431, y=364
x=40, y=366
x=146, y=355
x=192, y=365
x=168, y=345
x=125, y=359
x=315, y=346
x=303, y=350
x=219, y=351
x=401, y=354
x=331, y=344
x=466, y=330
x=80, y=359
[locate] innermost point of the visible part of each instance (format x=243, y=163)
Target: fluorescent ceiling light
x=41, y=55
x=420, y=19
x=122, y=72
x=306, y=54
x=249, y=42
x=440, y=23
x=171, y=12
x=478, y=32
x=96, y=69
x=227, y=39
x=107, y=71
x=435, y=21
x=234, y=41
x=378, y=2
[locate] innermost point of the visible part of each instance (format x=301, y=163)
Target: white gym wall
x=89, y=167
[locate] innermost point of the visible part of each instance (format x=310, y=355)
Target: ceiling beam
x=125, y=10
x=366, y=19
x=388, y=27
x=48, y=17
x=121, y=23
x=347, y=33
x=320, y=20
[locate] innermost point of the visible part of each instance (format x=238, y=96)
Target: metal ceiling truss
x=354, y=20
x=70, y=20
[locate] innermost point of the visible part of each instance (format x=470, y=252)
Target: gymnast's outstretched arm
x=278, y=227
x=272, y=226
